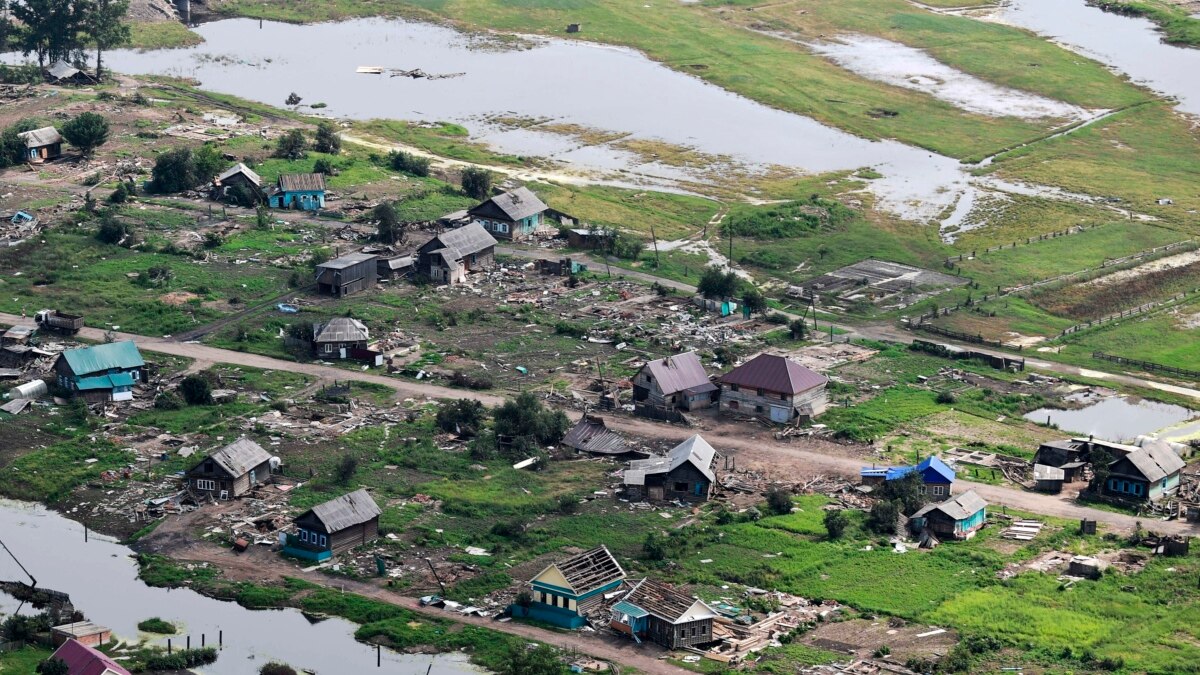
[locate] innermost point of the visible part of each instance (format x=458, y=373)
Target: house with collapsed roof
x=774, y=389
x=239, y=182
x=660, y=613
x=304, y=191
x=450, y=256
x=335, y=526
x=677, y=381
x=956, y=518
x=1144, y=474
x=514, y=215
x=101, y=373
x=230, y=472
x=936, y=476
x=42, y=144
x=565, y=591
x=63, y=73
x=685, y=473
x=592, y=435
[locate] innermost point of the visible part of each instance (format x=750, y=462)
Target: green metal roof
x=630, y=609
x=101, y=358
x=104, y=381
x=121, y=379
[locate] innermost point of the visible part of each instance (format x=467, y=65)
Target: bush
x=654, y=547
x=346, y=468
x=570, y=329
x=121, y=194
x=327, y=139
x=479, y=381
x=167, y=401
x=196, y=390
x=53, y=666
x=113, y=231
x=182, y=659
x=323, y=165
x=292, y=145
x=86, y=131
x=883, y=517
x=568, y=504
x=946, y=398
x=462, y=416
x=157, y=625
x=716, y=285
x=409, y=163
x=477, y=183
x=527, y=424
x=836, y=523
x=182, y=169
x=275, y=668
x=779, y=501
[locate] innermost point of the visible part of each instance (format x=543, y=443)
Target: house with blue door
x=684, y=474
x=957, y=518
x=514, y=215
x=1144, y=474
x=41, y=144
x=101, y=373
x=662, y=614
x=937, y=476
x=303, y=191
x=566, y=591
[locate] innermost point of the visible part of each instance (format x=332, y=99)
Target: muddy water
x=1129, y=44
x=101, y=578
x=594, y=86
x=1115, y=418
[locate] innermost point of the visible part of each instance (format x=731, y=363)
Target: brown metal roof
x=774, y=373
x=677, y=373
x=302, y=182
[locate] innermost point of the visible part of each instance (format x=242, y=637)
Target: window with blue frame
x=1125, y=487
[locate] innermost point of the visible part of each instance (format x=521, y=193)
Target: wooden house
x=101, y=373
x=84, y=632
x=347, y=275
x=659, y=613
x=677, y=381
x=42, y=144
x=773, y=388
x=450, y=256
x=239, y=182
x=514, y=215
x=340, y=337
x=230, y=472
x=565, y=591
x=956, y=518
x=1144, y=474
x=686, y=474
x=303, y=191
x=936, y=475
x=84, y=660
x=336, y=526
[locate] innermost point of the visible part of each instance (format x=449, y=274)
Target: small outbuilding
x=42, y=144
x=514, y=215
x=395, y=266
x=686, y=474
x=101, y=373
x=340, y=338
x=956, y=518
x=84, y=632
x=238, y=182
x=63, y=73
x=347, y=274
x=565, y=591
x=660, y=613
x=230, y=472
x=336, y=526
x=677, y=381
x=84, y=660
x=1048, y=478
x=774, y=389
x=303, y=191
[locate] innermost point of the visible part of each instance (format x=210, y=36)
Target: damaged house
x=42, y=144
x=677, y=381
x=347, y=274
x=592, y=435
x=333, y=527
x=450, y=256
x=230, y=472
x=774, y=389
x=957, y=518
x=101, y=373
x=514, y=215
x=660, y=613
x=1145, y=474
x=303, y=191
x=565, y=591
x=238, y=183
x=686, y=474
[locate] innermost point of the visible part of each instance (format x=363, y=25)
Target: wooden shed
x=347, y=274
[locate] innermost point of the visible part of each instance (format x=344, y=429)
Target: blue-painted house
x=101, y=373
x=565, y=591
x=937, y=476
x=513, y=215
x=957, y=518
x=303, y=191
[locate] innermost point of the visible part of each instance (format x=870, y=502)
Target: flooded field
x=1114, y=418
x=101, y=578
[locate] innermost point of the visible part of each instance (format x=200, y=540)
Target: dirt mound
x=178, y=298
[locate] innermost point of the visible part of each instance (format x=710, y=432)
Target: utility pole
x=654, y=238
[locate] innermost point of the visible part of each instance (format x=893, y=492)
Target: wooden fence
x=1124, y=314
x=1148, y=365
x=1028, y=240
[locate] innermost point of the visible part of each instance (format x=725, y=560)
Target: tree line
x=64, y=30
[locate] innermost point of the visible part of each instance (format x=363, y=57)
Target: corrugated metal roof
x=41, y=137
x=676, y=373
x=632, y=610
x=240, y=456
x=84, y=660
x=242, y=169
x=516, y=205
x=463, y=241
x=1155, y=460
x=399, y=262
x=1043, y=472
x=591, y=434
x=348, y=510
x=341, y=329
x=695, y=450
x=105, y=357
x=302, y=182
x=958, y=508
x=668, y=603
x=938, y=466
x=348, y=260
x=774, y=373
x=61, y=69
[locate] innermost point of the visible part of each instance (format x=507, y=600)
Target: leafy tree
x=112, y=231
x=1101, y=459
x=106, y=28
x=409, y=163
x=836, y=523
x=908, y=491
x=390, y=229
x=346, y=468
x=798, y=328
x=323, y=165
x=174, y=171
x=528, y=424
x=208, y=162
x=196, y=390
x=477, y=183
x=262, y=217
x=779, y=501
x=716, y=285
x=755, y=300
x=327, y=139
x=462, y=416
x=51, y=29
x=12, y=148
x=292, y=145
x=86, y=131
x=541, y=660
x=53, y=666
x=883, y=517
x=654, y=547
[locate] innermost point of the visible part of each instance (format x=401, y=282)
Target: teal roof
x=630, y=609
x=104, y=381
x=101, y=358
x=121, y=379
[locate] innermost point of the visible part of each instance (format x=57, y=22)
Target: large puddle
x=1115, y=418
x=101, y=578
x=1129, y=44
x=589, y=85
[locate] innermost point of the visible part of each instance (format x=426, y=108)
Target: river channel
x=101, y=578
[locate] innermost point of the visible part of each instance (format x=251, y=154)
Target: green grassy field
x=1179, y=26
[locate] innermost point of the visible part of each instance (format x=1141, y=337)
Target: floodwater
x=1128, y=44
x=1114, y=418
x=101, y=578
x=904, y=66
x=595, y=86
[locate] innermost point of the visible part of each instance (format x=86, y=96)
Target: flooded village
x=613, y=337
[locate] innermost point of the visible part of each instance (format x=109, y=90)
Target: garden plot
x=1160, y=265
x=877, y=281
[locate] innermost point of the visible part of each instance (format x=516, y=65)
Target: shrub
x=86, y=131
x=196, y=390
x=323, y=165
x=568, y=504
x=327, y=139
x=715, y=284
x=157, y=625
x=836, y=523
x=113, y=231
x=477, y=183
x=462, y=416
x=779, y=501
x=570, y=329
x=121, y=194
x=654, y=547
x=346, y=468
x=409, y=163
x=53, y=666
x=292, y=145
x=479, y=381
x=274, y=668
x=946, y=398
x=527, y=424
x=167, y=401
x=883, y=517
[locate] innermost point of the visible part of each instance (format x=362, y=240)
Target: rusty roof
x=774, y=373
x=678, y=372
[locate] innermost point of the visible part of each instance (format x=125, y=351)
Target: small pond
x=1113, y=418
